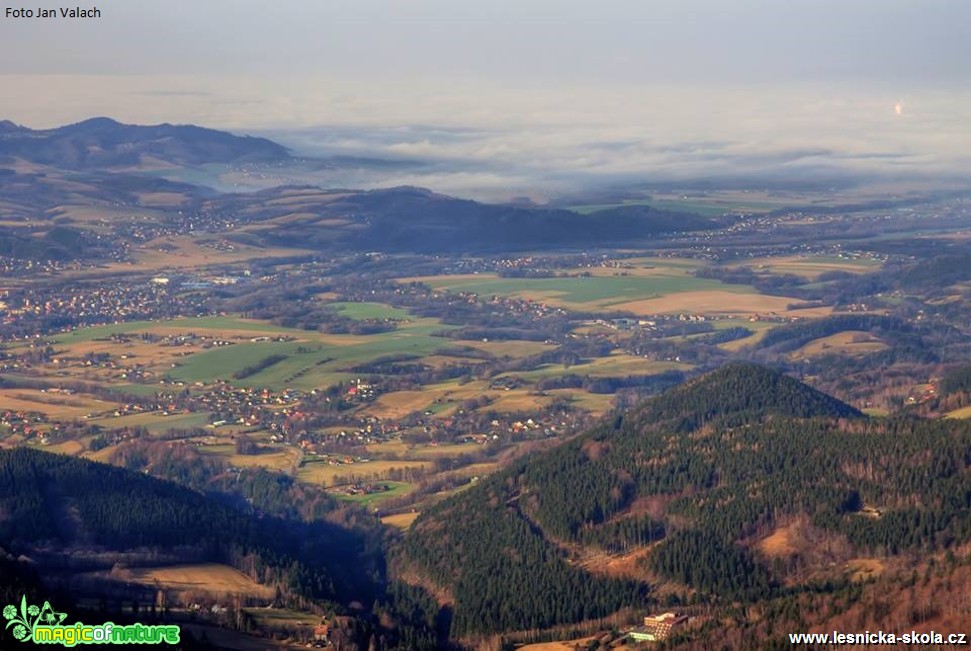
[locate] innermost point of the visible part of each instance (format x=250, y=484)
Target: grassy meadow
x=204, y=577
x=594, y=292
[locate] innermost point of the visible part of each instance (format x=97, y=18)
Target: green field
x=319, y=472
x=442, y=451
x=617, y=364
x=312, y=361
x=282, y=458
x=137, y=389
x=191, y=324
x=221, y=363
x=155, y=422
x=397, y=490
x=585, y=292
x=361, y=311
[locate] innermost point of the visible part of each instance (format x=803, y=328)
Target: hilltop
x=103, y=143
x=740, y=391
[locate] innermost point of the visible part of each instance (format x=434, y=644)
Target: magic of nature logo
x=44, y=625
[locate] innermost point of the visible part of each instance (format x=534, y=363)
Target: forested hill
x=54, y=504
x=741, y=391
x=100, y=143
x=418, y=220
x=688, y=487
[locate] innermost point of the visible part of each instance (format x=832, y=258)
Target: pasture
x=594, y=292
x=283, y=617
x=333, y=357
x=70, y=448
x=595, y=403
x=443, y=395
x=443, y=399
x=362, y=311
x=758, y=328
x=810, y=267
x=854, y=343
x=397, y=489
x=312, y=359
x=53, y=405
x=963, y=412
x=720, y=301
x=441, y=451
x=648, y=287
x=616, y=364
x=509, y=348
x=282, y=458
x=204, y=577
x=784, y=541
x=186, y=252
x=320, y=472
x=154, y=422
x=216, y=324
x=401, y=520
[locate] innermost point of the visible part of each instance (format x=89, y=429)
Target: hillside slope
x=103, y=143
x=418, y=220
x=54, y=507
x=687, y=487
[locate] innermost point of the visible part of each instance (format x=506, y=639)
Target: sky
x=505, y=88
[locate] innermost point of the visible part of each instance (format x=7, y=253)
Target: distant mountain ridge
x=410, y=219
x=103, y=143
x=111, y=163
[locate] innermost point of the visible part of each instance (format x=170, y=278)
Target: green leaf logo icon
x=28, y=616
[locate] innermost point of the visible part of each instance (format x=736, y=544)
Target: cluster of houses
x=534, y=262
x=76, y=305
x=23, y=423
x=361, y=391
x=247, y=405
x=359, y=488
x=17, y=267
x=176, y=223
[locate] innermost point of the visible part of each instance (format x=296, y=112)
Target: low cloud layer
x=508, y=140
x=605, y=138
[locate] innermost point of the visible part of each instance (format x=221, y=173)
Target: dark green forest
x=724, y=458
x=52, y=499
x=730, y=455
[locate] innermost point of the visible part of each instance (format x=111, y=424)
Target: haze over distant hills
x=418, y=220
x=102, y=162
x=100, y=143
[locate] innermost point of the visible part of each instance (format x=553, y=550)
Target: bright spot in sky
x=898, y=108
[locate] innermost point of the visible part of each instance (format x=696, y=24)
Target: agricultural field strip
x=321, y=353
x=584, y=293
x=207, y=577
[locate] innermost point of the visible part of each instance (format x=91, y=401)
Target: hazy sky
x=539, y=78
x=335, y=51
